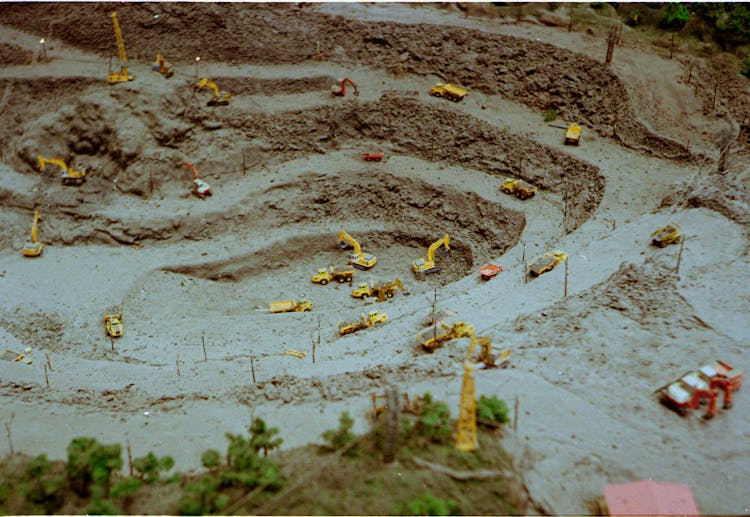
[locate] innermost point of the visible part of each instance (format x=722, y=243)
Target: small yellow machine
x=289, y=306
x=113, y=324
x=325, y=275
x=669, y=234
x=485, y=355
x=547, y=262
x=573, y=134
x=33, y=248
x=372, y=318
x=448, y=91
x=122, y=75
x=69, y=176
x=217, y=98
x=379, y=290
x=164, y=68
x=427, y=265
x=433, y=338
x=518, y=188
x=357, y=259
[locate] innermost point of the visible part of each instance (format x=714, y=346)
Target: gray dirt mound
x=39, y=329
x=255, y=86
x=537, y=74
x=727, y=194
x=13, y=55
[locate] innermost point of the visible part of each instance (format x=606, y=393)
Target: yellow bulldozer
x=666, y=235
x=379, y=290
x=217, y=98
x=33, y=248
x=427, y=265
x=573, y=134
x=372, y=318
x=433, y=338
x=69, y=176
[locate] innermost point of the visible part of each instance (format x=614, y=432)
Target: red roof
x=650, y=498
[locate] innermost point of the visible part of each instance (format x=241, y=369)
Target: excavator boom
x=435, y=245
x=339, y=90
x=217, y=97
x=345, y=237
x=69, y=176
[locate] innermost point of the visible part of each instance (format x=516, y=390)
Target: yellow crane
x=357, y=259
x=122, y=75
x=69, y=176
x=217, y=98
x=466, y=427
x=33, y=248
x=427, y=265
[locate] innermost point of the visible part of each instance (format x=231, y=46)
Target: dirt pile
x=13, y=55
x=537, y=74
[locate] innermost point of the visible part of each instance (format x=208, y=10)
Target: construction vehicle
x=357, y=259
x=433, y=338
x=547, y=262
x=489, y=271
x=690, y=389
x=448, y=91
x=217, y=98
x=518, y=188
x=466, y=425
x=485, y=355
x=378, y=290
x=69, y=176
x=295, y=353
x=33, y=248
x=372, y=157
x=669, y=234
x=289, y=306
x=113, y=324
x=164, y=68
x=200, y=188
x=372, y=318
x=573, y=134
x=339, y=89
x=325, y=275
x=122, y=75
x=427, y=265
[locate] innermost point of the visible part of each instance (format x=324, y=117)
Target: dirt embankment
x=13, y=55
x=534, y=73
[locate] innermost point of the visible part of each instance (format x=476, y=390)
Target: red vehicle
x=688, y=391
x=372, y=157
x=489, y=271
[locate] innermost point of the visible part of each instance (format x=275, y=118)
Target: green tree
x=203, y=498
x=262, y=436
x=41, y=487
x=149, y=467
x=676, y=16
x=341, y=437
x=492, y=409
x=90, y=464
x=434, y=420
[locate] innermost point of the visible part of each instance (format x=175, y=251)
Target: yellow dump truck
x=289, y=306
x=518, y=188
x=325, y=275
x=448, y=91
x=573, y=134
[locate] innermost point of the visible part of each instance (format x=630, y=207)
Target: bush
x=434, y=421
x=90, y=462
x=341, y=437
x=245, y=468
x=40, y=487
x=101, y=506
x=550, y=115
x=428, y=504
x=210, y=459
x=202, y=498
x=149, y=467
x=125, y=487
x=675, y=16
x=492, y=409
x=634, y=18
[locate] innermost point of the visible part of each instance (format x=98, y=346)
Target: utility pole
x=671, y=46
x=611, y=40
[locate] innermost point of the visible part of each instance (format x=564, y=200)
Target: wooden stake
x=570, y=20
x=243, y=163
x=205, y=357
x=177, y=362
x=565, y=211
x=49, y=363
x=515, y=415
x=7, y=432
x=252, y=367
x=690, y=71
x=523, y=256
x=150, y=181
x=716, y=88
x=611, y=40
x=565, y=294
x=434, y=316
x=671, y=46
x=317, y=51
x=519, y=13
x=679, y=255
x=399, y=69
x=46, y=378
x=130, y=459
x=619, y=34
x=112, y=342
x=525, y=272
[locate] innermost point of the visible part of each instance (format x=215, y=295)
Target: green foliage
x=262, y=436
x=550, y=115
x=245, y=468
x=36, y=467
x=434, y=421
x=125, y=486
x=5, y=491
x=41, y=487
x=597, y=5
x=211, y=458
x=634, y=18
x=149, y=467
x=90, y=462
x=492, y=409
x=341, y=437
x=100, y=506
x=746, y=66
x=676, y=16
x=202, y=498
x=428, y=504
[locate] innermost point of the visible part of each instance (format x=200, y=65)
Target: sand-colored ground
x=186, y=271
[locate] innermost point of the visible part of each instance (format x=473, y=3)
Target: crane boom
x=120, y=41
x=34, y=234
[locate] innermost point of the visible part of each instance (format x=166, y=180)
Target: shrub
x=341, y=437
x=40, y=487
x=676, y=16
x=210, y=459
x=125, y=487
x=261, y=436
x=149, y=467
x=90, y=462
x=245, y=467
x=428, y=504
x=101, y=506
x=492, y=409
x=202, y=498
x=550, y=115
x=434, y=420
x=634, y=18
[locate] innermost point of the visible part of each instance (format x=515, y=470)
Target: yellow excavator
x=69, y=176
x=357, y=259
x=164, y=68
x=217, y=98
x=427, y=265
x=33, y=248
x=379, y=290
x=485, y=355
x=122, y=75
